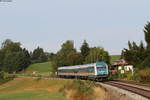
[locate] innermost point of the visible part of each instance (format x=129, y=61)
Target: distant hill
x=39, y=68
x=114, y=58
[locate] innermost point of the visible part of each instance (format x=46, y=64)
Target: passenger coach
x=96, y=71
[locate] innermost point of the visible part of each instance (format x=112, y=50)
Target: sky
x=49, y=23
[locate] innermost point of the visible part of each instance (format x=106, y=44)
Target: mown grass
x=33, y=89
x=39, y=69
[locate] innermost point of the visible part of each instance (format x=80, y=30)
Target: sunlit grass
x=32, y=95
x=38, y=69
x=33, y=89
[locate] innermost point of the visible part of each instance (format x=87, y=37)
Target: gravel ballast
x=116, y=93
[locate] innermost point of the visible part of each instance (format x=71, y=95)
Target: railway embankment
x=120, y=93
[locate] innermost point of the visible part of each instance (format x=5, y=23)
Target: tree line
x=14, y=58
x=68, y=55
x=139, y=55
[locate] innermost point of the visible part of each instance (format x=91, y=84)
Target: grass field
x=39, y=68
x=27, y=88
x=114, y=58
x=32, y=89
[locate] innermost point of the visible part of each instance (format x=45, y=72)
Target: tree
x=10, y=46
x=1, y=59
x=63, y=54
x=12, y=57
x=85, y=49
x=75, y=58
x=97, y=54
x=25, y=58
x=67, y=47
x=54, y=67
x=147, y=34
x=139, y=55
x=14, y=62
x=135, y=55
x=39, y=56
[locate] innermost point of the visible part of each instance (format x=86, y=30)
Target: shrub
x=81, y=90
x=129, y=75
x=113, y=76
x=142, y=75
x=145, y=75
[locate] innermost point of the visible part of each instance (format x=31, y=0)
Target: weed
x=79, y=90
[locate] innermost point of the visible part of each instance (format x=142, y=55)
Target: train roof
x=83, y=66
x=76, y=66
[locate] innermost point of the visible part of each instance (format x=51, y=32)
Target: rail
x=134, y=89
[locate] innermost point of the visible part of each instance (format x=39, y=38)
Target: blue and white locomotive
x=95, y=71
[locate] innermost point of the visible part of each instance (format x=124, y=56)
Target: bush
x=128, y=75
x=142, y=75
x=117, y=75
x=145, y=75
x=81, y=90
x=113, y=76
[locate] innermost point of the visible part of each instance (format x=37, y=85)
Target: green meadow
x=39, y=69
x=32, y=89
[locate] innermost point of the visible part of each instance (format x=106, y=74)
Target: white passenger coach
x=98, y=70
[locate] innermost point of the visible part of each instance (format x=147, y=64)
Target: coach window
x=90, y=69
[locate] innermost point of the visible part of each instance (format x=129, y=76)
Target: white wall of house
x=126, y=67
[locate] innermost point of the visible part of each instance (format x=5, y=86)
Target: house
x=122, y=66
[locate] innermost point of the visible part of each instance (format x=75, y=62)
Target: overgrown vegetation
x=139, y=56
x=142, y=75
x=79, y=90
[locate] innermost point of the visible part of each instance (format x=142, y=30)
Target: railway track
x=134, y=89
x=133, y=82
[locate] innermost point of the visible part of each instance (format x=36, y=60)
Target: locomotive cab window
x=101, y=70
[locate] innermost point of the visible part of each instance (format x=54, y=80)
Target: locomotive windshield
x=101, y=70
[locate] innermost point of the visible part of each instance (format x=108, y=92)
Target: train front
x=101, y=71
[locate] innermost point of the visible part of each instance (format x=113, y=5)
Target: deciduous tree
x=97, y=54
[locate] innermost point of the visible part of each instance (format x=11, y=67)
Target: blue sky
x=49, y=23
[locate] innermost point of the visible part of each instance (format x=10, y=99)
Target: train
x=95, y=71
